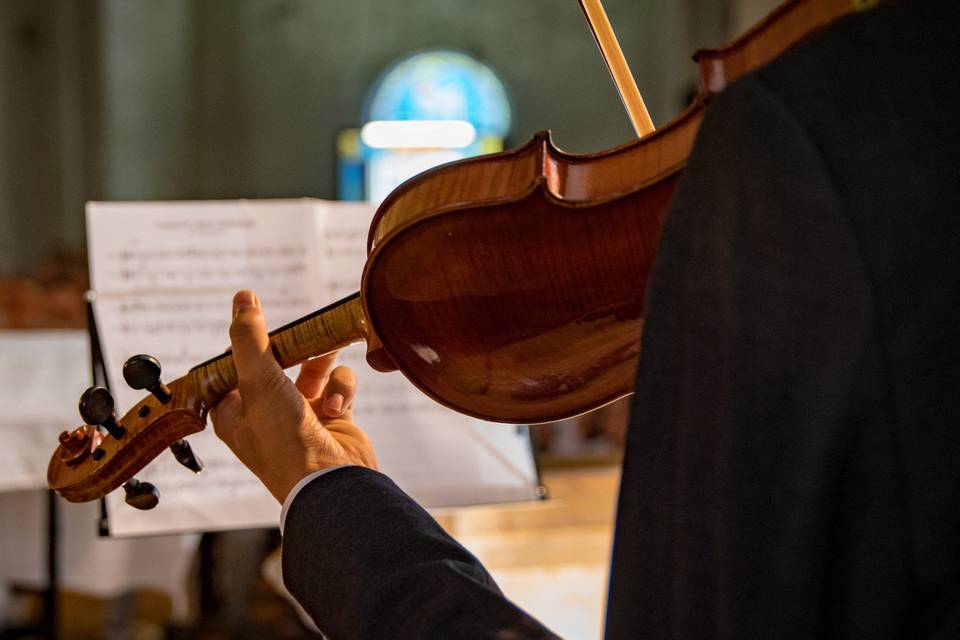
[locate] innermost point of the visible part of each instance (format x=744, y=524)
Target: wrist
x=280, y=486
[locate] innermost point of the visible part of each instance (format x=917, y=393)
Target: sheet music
x=164, y=275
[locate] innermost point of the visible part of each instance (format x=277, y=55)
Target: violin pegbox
x=90, y=463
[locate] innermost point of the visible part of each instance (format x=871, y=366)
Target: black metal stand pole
x=98, y=376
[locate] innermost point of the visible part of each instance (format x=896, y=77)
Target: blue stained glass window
x=441, y=85
x=429, y=86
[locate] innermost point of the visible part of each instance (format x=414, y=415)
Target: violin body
x=509, y=287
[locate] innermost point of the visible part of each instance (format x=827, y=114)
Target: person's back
x=793, y=466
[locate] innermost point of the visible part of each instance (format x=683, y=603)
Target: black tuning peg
x=143, y=372
x=96, y=407
x=184, y=454
x=141, y=495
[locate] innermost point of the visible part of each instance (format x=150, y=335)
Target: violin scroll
x=89, y=463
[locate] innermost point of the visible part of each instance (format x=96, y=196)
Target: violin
x=509, y=287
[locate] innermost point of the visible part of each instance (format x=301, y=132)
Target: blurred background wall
x=177, y=99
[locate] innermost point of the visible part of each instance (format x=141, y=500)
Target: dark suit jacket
x=793, y=465
x=793, y=459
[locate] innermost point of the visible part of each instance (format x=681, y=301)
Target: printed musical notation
x=164, y=275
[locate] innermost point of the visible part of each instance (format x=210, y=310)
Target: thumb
x=252, y=354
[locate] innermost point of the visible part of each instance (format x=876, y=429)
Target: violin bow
x=617, y=66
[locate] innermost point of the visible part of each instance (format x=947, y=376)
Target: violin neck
x=333, y=327
x=617, y=66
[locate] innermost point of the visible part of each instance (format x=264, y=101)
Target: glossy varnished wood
x=572, y=178
x=528, y=311
x=617, y=66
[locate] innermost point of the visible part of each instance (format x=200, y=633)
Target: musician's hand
x=280, y=430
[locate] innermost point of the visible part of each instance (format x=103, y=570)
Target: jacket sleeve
x=366, y=561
